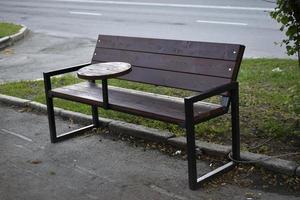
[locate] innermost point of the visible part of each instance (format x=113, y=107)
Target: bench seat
x=154, y=106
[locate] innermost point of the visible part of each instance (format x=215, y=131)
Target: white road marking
x=16, y=134
x=169, y=5
x=84, y=13
x=23, y=147
x=220, y=22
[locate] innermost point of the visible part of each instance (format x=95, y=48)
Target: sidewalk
x=95, y=166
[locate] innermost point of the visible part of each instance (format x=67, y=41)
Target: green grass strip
x=269, y=100
x=7, y=29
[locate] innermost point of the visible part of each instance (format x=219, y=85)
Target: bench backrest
x=189, y=65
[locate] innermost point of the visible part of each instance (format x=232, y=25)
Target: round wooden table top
x=106, y=70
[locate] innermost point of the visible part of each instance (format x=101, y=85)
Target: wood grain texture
x=104, y=70
x=185, y=81
x=210, y=67
x=147, y=105
x=189, y=65
x=221, y=51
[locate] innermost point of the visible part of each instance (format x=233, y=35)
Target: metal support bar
x=95, y=111
x=70, y=134
x=105, y=94
x=50, y=108
x=191, y=146
x=220, y=170
x=51, y=117
x=235, y=123
x=195, y=182
x=95, y=116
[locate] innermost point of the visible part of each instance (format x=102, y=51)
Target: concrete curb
x=10, y=40
x=116, y=127
x=149, y=134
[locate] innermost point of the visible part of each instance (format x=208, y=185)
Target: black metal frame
x=233, y=89
x=105, y=94
x=50, y=108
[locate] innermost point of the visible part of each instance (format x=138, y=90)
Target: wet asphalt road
x=233, y=21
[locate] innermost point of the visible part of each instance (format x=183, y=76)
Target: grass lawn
x=7, y=29
x=269, y=102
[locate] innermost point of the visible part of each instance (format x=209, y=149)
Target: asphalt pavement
x=95, y=166
x=230, y=21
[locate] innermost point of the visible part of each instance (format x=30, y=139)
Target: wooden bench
x=210, y=69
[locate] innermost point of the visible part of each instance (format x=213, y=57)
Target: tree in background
x=287, y=13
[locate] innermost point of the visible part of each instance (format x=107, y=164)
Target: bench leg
x=51, y=117
x=194, y=181
x=95, y=111
x=50, y=108
x=235, y=124
x=95, y=116
x=191, y=148
x=52, y=127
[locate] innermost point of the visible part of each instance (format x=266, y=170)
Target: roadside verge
x=116, y=127
x=12, y=39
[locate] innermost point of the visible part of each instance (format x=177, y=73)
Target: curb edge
x=275, y=164
x=10, y=40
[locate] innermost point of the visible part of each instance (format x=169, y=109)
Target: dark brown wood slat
x=185, y=64
x=185, y=81
x=221, y=51
x=147, y=105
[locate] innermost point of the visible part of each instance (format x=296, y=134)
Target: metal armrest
x=189, y=101
x=212, y=92
x=47, y=75
x=65, y=70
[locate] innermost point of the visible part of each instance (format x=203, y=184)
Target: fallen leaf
x=52, y=173
x=8, y=51
x=35, y=162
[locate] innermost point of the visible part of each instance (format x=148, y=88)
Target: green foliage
x=287, y=13
x=7, y=29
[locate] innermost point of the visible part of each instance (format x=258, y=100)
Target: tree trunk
x=299, y=58
x=298, y=32
x=297, y=10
